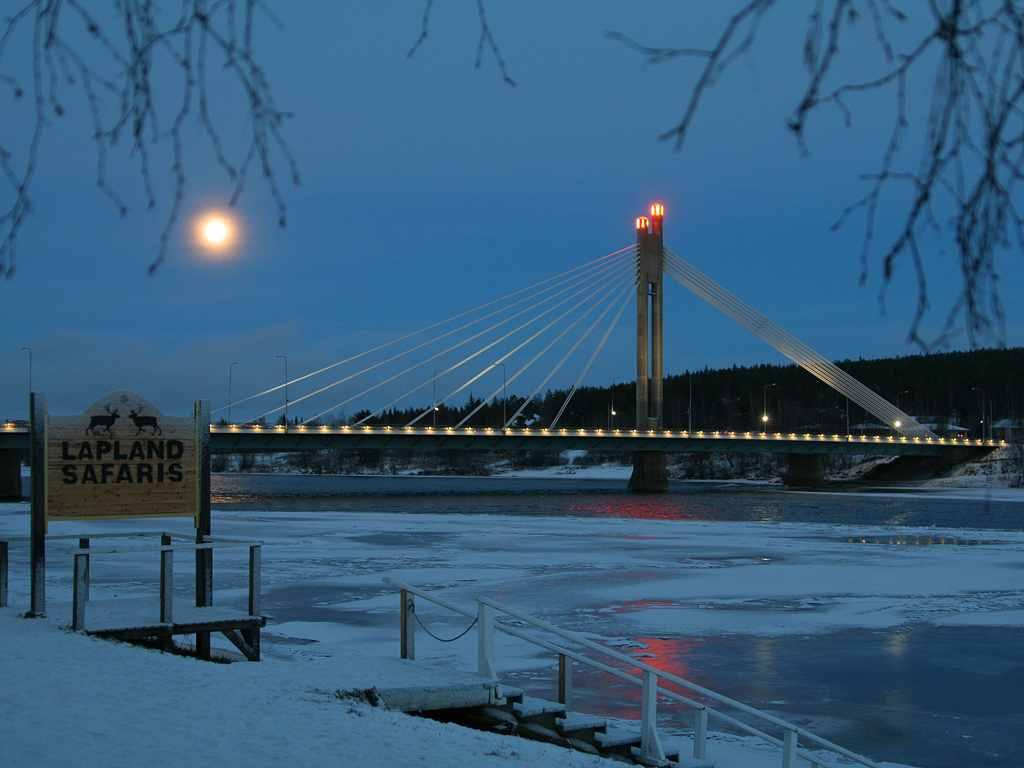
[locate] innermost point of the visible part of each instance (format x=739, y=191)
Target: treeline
x=961, y=388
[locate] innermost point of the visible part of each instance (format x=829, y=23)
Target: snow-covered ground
x=335, y=623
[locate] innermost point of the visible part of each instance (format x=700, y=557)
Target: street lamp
x=764, y=402
x=504, y=393
x=230, y=369
x=285, y=358
x=29, y=350
x=433, y=401
x=981, y=391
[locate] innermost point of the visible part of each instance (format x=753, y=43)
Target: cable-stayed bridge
x=523, y=340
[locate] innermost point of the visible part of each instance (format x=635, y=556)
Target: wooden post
x=166, y=580
x=485, y=641
x=37, y=409
x=564, y=680
x=3, y=574
x=407, y=625
x=78, y=593
x=650, y=744
x=255, y=579
x=700, y=734
x=204, y=557
x=84, y=544
x=789, y=749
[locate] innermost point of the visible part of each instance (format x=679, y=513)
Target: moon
x=215, y=232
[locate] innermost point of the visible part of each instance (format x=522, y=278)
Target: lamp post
x=689, y=407
x=981, y=391
x=504, y=393
x=764, y=402
x=230, y=370
x=29, y=350
x=611, y=409
x=285, y=359
x=433, y=400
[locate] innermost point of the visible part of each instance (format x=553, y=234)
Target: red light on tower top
x=657, y=211
x=642, y=223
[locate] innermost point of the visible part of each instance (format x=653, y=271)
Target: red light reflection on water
x=673, y=655
x=641, y=508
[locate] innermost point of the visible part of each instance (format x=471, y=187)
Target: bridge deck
x=257, y=439
x=244, y=439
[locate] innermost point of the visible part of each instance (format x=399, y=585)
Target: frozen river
x=891, y=622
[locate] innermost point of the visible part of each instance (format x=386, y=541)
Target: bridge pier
x=804, y=469
x=649, y=473
x=10, y=475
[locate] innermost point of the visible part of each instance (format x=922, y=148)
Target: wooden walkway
x=140, y=620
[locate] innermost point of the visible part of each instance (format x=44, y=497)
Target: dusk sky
x=429, y=186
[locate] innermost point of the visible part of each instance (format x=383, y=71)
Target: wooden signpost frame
x=203, y=527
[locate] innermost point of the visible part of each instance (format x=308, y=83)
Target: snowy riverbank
x=637, y=584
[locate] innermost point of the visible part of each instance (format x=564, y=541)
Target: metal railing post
x=485, y=640
x=564, y=680
x=789, y=744
x=700, y=734
x=166, y=580
x=78, y=593
x=650, y=744
x=255, y=579
x=3, y=574
x=407, y=622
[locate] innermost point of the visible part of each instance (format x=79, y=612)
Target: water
x=924, y=695
x=687, y=501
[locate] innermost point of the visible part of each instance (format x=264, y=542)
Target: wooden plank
x=83, y=544
x=255, y=579
x=37, y=409
x=166, y=581
x=430, y=698
x=407, y=624
x=204, y=558
x=78, y=594
x=564, y=679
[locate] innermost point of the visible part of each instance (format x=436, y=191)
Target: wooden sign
x=121, y=458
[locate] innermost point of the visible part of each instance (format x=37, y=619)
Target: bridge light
x=643, y=223
x=897, y=423
x=657, y=211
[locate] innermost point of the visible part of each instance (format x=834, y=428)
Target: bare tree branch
x=963, y=187
x=486, y=42
x=113, y=57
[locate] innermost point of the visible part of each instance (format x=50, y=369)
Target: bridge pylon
x=649, y=472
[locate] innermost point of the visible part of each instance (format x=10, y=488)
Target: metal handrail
x=575, y=637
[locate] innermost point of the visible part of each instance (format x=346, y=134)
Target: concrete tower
x=649, y=466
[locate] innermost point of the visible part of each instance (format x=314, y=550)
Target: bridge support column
x=649, y=471
x=804, y=469
x=10, y=475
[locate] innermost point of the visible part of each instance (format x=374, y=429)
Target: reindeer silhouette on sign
x=144, y=422
x=102, y=422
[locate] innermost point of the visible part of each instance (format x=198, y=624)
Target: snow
x=88, y=702
x=335, y=624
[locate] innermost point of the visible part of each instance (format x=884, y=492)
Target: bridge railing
x=648, y=677
x=702, y=434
